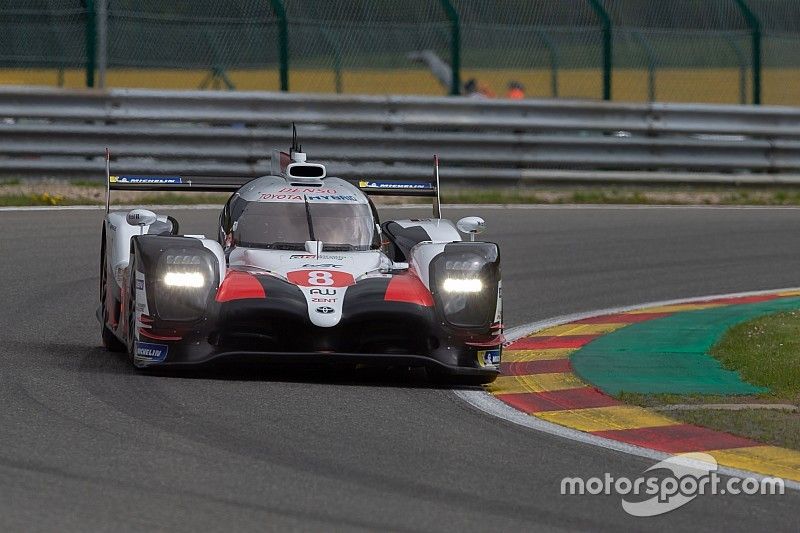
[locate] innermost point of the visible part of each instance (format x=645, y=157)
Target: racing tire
x=110, y=341
x=131, y=313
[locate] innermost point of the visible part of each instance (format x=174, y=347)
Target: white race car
x=301, y=272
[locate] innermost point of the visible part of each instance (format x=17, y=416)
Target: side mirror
x=471, y=226
x=141, y=218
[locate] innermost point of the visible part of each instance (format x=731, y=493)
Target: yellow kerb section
x=520, y=356
x=768, y=460
x=607, y=418
x=674, y=308
x=535, y=383
x=578, y=329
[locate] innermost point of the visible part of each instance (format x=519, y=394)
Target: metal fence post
x=337, y=57
x=91, y=40
x=283, y=42
x=102, y=42
x=605, y=18
x=652, y=64
x=742, y=60
x=455, y=46
x=552, y=48
x=755, y=34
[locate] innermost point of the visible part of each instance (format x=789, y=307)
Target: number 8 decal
x=320, y=278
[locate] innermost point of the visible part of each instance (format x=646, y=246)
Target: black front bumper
x=277, y=329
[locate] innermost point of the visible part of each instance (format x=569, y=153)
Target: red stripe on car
x=239, y=285
x=408, y=288
x=145, y=333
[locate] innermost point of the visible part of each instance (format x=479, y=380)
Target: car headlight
x=185, y=282
x=464, y=283
x=185, y=279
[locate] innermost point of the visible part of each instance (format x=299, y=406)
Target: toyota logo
x=325, y=310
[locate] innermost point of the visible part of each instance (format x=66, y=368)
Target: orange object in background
x=516, y=91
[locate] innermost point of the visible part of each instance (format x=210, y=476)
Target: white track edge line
x=490, y=405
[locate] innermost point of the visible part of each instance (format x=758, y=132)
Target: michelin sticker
x=393, y=185
x=489, y=357
x=151, y=353
x=147, y=180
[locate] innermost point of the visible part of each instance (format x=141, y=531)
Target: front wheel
x=131, y=313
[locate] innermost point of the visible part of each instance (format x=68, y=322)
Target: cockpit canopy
x=284, y=219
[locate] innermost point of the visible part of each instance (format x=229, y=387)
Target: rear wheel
x=110, y=341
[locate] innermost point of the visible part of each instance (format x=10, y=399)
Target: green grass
x=625, y=195
x=174, y=199
x=84, y=191
x=91, y=184
x=775, y=427
x=766, y=352
x=659, y=400
x=18, y=200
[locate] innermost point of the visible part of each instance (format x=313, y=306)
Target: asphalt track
x=88, y=444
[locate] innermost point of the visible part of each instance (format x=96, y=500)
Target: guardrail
x=51, y=132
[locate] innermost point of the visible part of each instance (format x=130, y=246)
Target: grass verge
x=16, y=192
x=766, y=352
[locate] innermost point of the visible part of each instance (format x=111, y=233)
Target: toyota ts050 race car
x=301, y=271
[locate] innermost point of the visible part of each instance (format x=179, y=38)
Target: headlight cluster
x=184, y=271
x=462, y=285
x=185, y=278
x=465, y=278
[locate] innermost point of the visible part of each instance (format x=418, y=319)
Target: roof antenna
x=294, y=147
x=296, y=151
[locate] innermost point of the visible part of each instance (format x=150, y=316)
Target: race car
x=301, y=272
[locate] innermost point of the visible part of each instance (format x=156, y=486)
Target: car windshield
x=288, y=225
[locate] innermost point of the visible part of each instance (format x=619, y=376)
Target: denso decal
x=320, y=278
x=299, y=190
x=489, y=357
x=151, y=353
x=322, y=265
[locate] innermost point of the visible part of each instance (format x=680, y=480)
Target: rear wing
x=406, y=188
x=233, y=184
x=169, y=183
